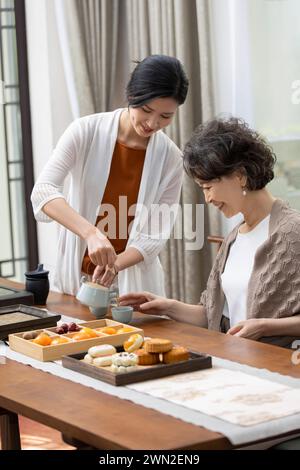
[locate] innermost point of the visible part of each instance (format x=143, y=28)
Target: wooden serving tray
x=12, y=296
x=195, y=362
x=17, y=318
x=52, y=353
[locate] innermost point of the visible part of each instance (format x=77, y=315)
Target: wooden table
x=107, y=422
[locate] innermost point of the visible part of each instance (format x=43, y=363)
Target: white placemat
x=149, y=396
x=230, y=395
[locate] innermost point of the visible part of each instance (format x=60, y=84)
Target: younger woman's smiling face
x=225, y=193
x=153, y=116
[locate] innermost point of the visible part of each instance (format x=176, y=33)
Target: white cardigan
x=85, y=152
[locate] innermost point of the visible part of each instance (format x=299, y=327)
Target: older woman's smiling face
x=225, y=193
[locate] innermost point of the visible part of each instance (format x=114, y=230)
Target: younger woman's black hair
x=157, y=76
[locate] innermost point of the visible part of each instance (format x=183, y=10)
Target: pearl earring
x=244, y=192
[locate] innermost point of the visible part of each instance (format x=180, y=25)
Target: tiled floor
x=35, y=436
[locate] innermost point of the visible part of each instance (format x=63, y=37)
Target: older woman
x=253, y=290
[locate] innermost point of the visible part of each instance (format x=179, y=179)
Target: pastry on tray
x=176, y=354
x=102, y=350
x=103, y=361
x=158, y=345
x=122, y=369
x=124, y=362
x=124, y=359
x=100, y=355
x=145, y=358
x=133, y=343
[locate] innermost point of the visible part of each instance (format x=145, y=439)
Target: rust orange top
x=124, y=180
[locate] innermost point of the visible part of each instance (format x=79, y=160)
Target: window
x=275, y=57
x=18, y=244
x=256, y=59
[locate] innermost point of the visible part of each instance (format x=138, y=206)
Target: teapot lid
x=38, y=272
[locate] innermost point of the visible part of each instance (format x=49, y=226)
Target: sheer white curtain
x=93, y=49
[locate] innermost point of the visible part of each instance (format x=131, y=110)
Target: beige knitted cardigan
x=274, y=285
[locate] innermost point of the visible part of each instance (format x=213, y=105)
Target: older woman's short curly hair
x=224, y=145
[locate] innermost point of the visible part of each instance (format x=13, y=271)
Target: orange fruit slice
x=125, y=329
x=42, y=339
x=59, y=340
x=108, y=330
x=80, y=337
x=89, y=331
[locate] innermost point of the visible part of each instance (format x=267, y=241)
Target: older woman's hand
x=254, y=328
x=147, y=302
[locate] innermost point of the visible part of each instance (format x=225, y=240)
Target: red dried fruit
x=72, y=327
x=65, y=327
x=59, y=330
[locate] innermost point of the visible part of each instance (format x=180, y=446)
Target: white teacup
x=122, y=314
x=95, y=296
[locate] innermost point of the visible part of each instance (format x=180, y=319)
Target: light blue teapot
x=98, y=298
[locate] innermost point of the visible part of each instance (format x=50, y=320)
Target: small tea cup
x=122, y=314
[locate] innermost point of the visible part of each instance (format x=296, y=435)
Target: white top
x=238, y=269
x=84, y=152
